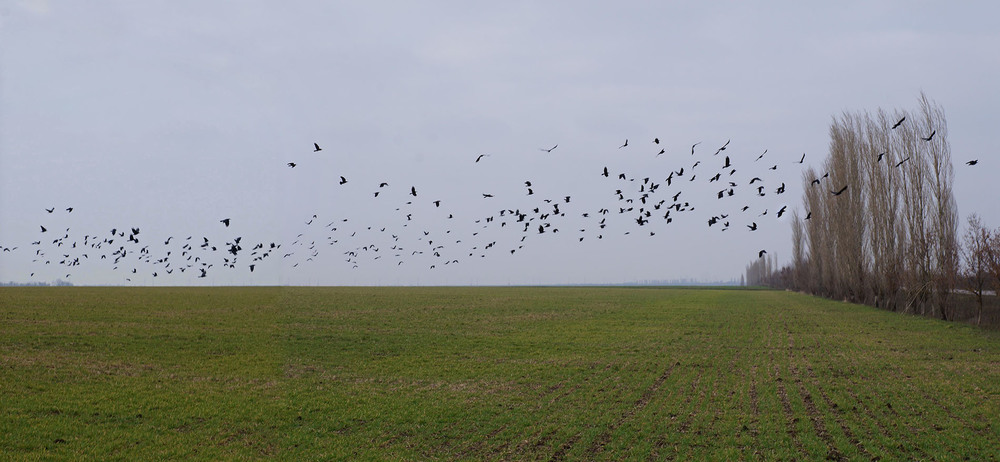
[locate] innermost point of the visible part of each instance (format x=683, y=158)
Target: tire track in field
x=832, y=453
x=602, y=440
x=661, y=441
x=838, y=414
x=480, y=444
x=870, y=414
x=786, y=405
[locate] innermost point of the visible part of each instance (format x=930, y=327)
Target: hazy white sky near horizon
x=170, y=116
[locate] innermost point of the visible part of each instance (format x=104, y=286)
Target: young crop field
x=486, y=374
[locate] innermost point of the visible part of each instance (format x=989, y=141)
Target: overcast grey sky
x=170, y=116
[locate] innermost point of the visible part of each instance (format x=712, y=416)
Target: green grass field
x=486, y=373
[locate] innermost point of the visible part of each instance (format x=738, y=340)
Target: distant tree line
x=890, y=239
x=56, y=283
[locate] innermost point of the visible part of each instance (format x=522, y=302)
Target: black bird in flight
x=837, y=193
x=343, y=180
x=723, y=148
x=549, y=149
x=291, y=164
x=692, y=147
x=929, y=136
x=626, y=144
x=727, y=163
x=761, y=254
x=662, y=151
x=413, y=191
x=761, y=155
x=316, y=147
x=487, y=195
x=43, y=229
x=780, y=212
x=480, y=157
x=225, y=221
x=656, y=140
x=803, y=159
x=901, y=162
x=53, y=209
x=881, y=155
x=753, y=226
x=808, y=215
x=972, y=162
x=69, y=209
x=900, y=122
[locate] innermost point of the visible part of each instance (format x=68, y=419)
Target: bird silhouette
x=929, y=136
x=413, y=191
x=53, y=209
x=316, y=147
x=480, y=157
x=972, y=162
x=837, y=193
x=761, y=254
x=752, y=226
x=803, y=159
x=692, y=147
x=761, y=156
x=626, y=144
x=782, y=211
x=902, y=161
x=880, y=156
x=656, y=140
x=292, y=164
x=898, y=123
x=549, y=149
x=723, y=148
x=225, y=221
x=43, y=229
x=343, y=180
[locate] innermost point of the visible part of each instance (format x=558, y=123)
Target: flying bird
x=292, y=164
x=929, y=136
x=692, y=147
x=43, y=229
x=837, y=193
x=900, y=122
x=316, y=147
x=413, y=191
x=343, y=180
x=723, y=148
x=656, y=140
x=761, y=155
x=802, y=159
x=780, y=212
x=53, y=209
x=972, y=162
x=761, y=254
x=626, y=144
x=480, y=157
x=225, y=221
x=901, y=162
x=880, y=156
x=549, y=149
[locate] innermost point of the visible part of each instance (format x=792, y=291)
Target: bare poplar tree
x=976, y=253
x=798, y=252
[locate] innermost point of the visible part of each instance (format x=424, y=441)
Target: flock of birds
x=639, y=205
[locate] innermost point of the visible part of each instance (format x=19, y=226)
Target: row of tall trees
x=890, y=238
